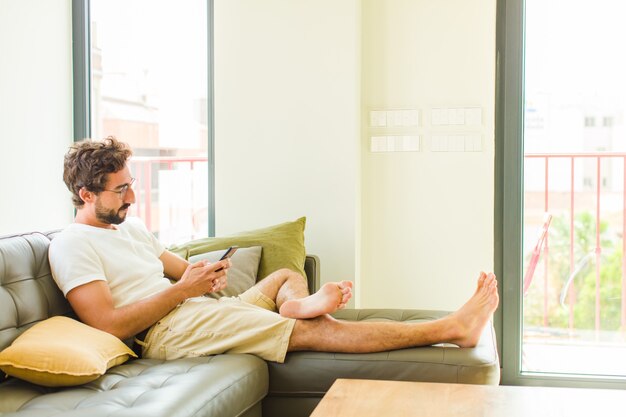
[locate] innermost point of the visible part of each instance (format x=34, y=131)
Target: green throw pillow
x=283, y=246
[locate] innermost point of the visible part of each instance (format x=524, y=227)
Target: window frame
x=81, y=55
x=509, y=203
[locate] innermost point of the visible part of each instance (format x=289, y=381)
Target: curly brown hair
x=88, y=162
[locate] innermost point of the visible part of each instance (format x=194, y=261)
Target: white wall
x=427, y=216
x=287, y=121
x=413, y=229
x=35, y=114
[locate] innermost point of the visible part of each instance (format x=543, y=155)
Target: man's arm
x=174, y=266
x=94, y=304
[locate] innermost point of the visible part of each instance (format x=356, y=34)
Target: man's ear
x=86, y=195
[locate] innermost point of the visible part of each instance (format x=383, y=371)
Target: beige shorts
x=205, y=326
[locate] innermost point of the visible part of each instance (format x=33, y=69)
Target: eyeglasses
x=123, y=189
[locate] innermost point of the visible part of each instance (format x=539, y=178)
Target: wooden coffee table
x=364, y=398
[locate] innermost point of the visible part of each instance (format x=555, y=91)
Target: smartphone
x=229, y=252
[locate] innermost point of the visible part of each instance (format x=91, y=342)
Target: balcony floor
x=580, y=352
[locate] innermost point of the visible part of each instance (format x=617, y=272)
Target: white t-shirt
x=127, y=258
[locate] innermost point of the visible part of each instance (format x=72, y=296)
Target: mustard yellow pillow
x=283, y=246
x=61, y=351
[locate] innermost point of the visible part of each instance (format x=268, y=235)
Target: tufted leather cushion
x=28, y=294
x=223, y=385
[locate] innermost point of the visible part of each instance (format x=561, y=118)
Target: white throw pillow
x=242, y=273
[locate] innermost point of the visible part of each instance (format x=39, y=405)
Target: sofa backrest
x=28, y=294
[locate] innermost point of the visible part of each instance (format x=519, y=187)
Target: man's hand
x=203, y=277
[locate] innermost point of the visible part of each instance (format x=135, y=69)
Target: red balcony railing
x=587, y=167
x=146, y=169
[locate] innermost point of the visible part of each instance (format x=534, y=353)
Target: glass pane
x=574, y=315
x=149, y=89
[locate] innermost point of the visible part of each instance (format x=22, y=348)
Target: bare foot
x=470, y=320
x=330, y=298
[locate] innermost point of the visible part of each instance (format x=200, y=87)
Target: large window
x=143, y=75
x=562, y=199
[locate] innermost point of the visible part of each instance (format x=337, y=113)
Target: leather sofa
x=221, y=385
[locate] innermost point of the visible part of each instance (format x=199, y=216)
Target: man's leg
x=290, y=292
x=462, y=328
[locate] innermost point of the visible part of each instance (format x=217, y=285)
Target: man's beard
x=110, y=216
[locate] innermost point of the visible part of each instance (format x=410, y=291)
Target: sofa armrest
x=312, y=270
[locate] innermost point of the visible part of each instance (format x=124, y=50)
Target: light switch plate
x=378, y=118
x=378, y=144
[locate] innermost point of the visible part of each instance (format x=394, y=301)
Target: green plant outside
x=582, y=291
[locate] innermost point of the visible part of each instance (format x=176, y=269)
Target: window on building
x=590, y=121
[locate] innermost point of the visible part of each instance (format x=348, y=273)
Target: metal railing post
x=598, y=249
x=623, y=319
x=545, y=250
x=571, y=292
